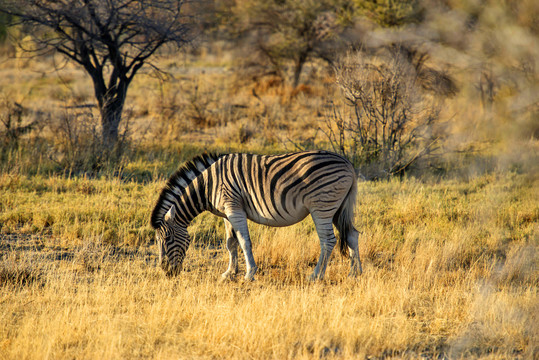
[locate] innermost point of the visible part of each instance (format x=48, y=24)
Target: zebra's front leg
x=232, y=247
x=238, y=220
x=324, y=229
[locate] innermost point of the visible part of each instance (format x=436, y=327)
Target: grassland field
x=450, y=271
x=450, y=257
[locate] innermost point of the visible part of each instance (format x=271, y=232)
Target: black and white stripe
x=278, y=190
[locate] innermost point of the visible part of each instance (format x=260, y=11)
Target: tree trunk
x=300, y=61
x=111, y=104
x=111, y=116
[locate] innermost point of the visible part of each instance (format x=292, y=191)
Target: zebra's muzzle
x=170, y=270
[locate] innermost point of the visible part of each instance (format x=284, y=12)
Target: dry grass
x=450, y=271
x=450, y=262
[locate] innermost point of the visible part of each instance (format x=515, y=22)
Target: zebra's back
x=280, y=190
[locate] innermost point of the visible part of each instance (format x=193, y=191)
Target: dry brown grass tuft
x=15, y=274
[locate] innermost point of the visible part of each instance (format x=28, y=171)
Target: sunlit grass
x=450, y=269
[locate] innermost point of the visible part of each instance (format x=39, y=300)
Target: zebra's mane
x=177, y=183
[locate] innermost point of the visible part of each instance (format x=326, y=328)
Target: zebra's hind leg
x=238, y=220
x=232, y=247
x=355, y=263
x=324, y=229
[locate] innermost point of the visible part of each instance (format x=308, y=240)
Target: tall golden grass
x=450, y=271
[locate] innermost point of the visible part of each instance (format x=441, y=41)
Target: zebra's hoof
x=227, y=276
x=355, y=273
x=250, y=275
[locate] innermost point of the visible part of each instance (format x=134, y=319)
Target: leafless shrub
x=169, y=116
x=77, y=144
x=183, y=106
x=245, y=132
x=431, y=80
x=198, y=107
x=388, y=122
x=14, y=122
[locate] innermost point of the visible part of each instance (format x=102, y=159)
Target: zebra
x=274, y=190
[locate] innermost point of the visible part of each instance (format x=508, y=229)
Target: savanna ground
x=450, y=270
x=449, y=251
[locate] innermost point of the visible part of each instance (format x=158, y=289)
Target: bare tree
x=110, y=39
x=292, y=30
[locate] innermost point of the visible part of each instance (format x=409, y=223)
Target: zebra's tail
x=344, y=218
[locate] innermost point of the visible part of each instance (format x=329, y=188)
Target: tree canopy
x=110, y=39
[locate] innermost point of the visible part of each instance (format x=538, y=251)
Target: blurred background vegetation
x=423, y=87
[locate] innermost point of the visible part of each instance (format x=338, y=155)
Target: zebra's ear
x=171, y=213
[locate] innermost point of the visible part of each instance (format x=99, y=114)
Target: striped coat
x=278, y=190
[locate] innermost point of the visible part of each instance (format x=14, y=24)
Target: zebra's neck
x=185, y=181
x=193, y=201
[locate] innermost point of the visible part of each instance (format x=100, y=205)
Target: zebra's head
x=172, y=240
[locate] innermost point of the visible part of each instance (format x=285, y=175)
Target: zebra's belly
x=290, y=218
